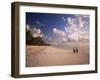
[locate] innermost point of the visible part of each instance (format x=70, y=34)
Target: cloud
x=36, y=32
x=58, y=32
x=28, y=27
x=86, y=16
x=69, y=20
x=64, y=39
x=73, y=33
x=81, y=22
x=77, y=36
x=84, y=35
x=83, y=16
x=40, y=24
x=74, y=36
x=57, y=37
x=76, y=29
x=64, y=19
x=72, y=22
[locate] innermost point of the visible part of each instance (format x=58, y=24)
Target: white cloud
x=69, y=20
x=57, y=37
x=80, y=35
x=75, y=28
x=86, y=16
x=36, y=32
x=40, y=24
x=84, y=35
x=27, y=27
x=64, y=39
x=58, y=32
x=72, y=22
x=74, y=31
x=64, y=19
x=81, y=22
x=74, y=36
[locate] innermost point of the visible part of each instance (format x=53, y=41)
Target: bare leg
x=74, y=49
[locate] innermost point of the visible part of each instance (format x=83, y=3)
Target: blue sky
x=55, y=26
x=48, y=20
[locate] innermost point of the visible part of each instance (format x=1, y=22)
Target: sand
x=55, y=56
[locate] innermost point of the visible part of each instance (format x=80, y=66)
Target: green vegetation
x=30, y=40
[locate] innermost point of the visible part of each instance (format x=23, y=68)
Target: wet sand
x=54, y=56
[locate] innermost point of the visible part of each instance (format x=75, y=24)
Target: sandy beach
x=55, y=56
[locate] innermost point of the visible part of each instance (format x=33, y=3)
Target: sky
x=58, y=28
